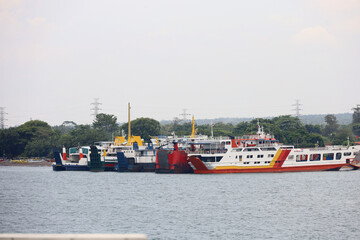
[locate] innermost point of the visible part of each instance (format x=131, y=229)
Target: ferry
x=263, y=153
x=174, y=158
x=131, y=156
x=85, y=158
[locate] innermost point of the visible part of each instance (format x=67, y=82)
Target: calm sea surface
x=309, y=205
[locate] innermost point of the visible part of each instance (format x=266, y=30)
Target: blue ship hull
x=69, y=167
x=58, y=168
x=142, y=167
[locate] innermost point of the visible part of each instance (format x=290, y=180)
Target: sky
x=228, y=58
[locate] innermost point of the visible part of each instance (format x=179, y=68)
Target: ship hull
x=70, y=167
x=142, y=167
x=109, y=167
x=58, y=168
x=332, y=167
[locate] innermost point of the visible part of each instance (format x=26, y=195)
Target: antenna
x=184, y=114
x=96, y=108
x=297, y=107
x=2, y=118
x=212, y=129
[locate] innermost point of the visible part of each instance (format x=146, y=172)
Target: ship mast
x=129, y=127
x=193, y=128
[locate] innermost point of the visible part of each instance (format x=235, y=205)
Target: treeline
x=37, y=138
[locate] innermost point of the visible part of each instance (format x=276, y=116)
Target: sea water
x=304, y=205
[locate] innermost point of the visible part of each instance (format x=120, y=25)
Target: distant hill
x=342, y=118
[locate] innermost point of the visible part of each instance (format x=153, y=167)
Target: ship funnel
x=64, y=153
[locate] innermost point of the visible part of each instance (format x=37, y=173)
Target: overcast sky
x=213, y=58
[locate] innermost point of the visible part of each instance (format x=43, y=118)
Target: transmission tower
x=2, y=118
x=96, y=108
x=297, y=108
x=184, y=115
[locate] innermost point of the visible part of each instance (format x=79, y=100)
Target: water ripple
x=316, y=205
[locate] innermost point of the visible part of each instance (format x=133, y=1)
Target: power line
x=297, y=107
x=2, y=118
x=96, y=108
x=184, y=114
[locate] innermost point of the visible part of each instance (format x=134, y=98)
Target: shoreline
x=26, y=164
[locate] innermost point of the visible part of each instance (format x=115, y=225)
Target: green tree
x=288, y=123
x=82, y=135
x=37, y=137
x=144, y=127
x=65, y=127
x=106, y=123
x=313, y=139
x=35, y=129
x=310, y=128
x=219, y=129
x=39, y=147
x=356, y=129
x=10, y=143
x=244, y=128
x=331, y=125
x=342, y=135
x=356, y=115
x=356, y=121
x=21, y=140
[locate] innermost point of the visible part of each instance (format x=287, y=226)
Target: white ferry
x=263, y=153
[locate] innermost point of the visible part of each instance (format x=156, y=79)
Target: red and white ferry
x=263, y=153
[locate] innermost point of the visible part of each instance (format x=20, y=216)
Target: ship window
x=291, y=157
x=347, y=153
x=249, y=156
x=251, y=149
x=301, y=157
x=237, y=150
x=240, y=158
x=270, y=155
x=72, y=150
x=260, y=156
x=338, y=156
x=315, y=157
x=268, y=149
x=328, y=156
x=208, y=159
